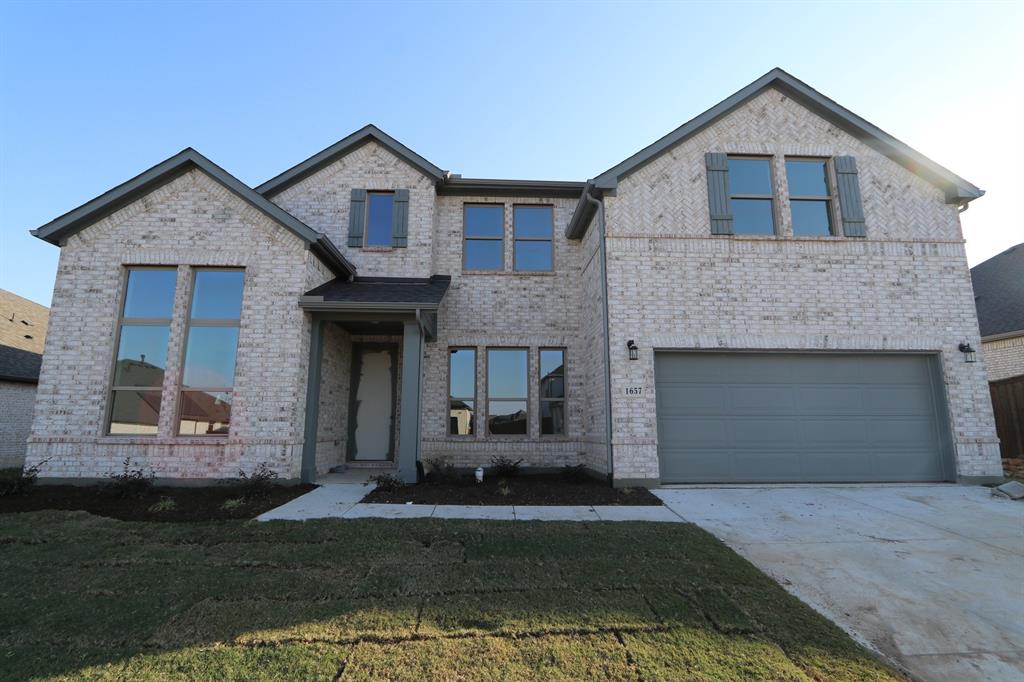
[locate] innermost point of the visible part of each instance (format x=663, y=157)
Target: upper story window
x=208, y=378
x=507, y=379
x=461, y=391
x=533, y=229
x=751, y=199
x=141, y=359
x=483, y=237
x=810, y=199
x=380, y=207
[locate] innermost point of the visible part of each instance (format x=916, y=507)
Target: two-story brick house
x=775, y=291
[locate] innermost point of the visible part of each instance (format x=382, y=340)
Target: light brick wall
x=505, y=309
x=332, y=420
x=673, y=286
x=191, y=221
x=16, y=401
x=593, y=360
x=1003, y=358
x=323, y=199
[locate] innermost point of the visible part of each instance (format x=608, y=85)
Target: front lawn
x=85, y=597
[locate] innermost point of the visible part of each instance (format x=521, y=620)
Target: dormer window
x=810, y=199
x=751, y=195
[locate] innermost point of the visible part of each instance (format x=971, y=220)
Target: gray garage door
x=765, y=417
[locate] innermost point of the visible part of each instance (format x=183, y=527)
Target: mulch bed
x=190, y=504
x=1014, y=468
x=533, y=489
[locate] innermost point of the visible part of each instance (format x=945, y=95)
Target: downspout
x=607, y=343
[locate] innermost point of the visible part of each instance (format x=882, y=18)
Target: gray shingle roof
x=386, y=291
x=19, y=365
x=999, y=292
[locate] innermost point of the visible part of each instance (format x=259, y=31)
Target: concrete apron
x=930, y=576
x=338, y=497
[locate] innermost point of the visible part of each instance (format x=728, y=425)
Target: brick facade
x=17, y=399
x=671, y=285
x=1004, y=358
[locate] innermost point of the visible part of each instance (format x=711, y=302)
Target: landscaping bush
x=232, y=504
x=21, y=480
x=505, y=467
x=165, y=504
x=440, y=470
x=574, y=473
x=131, y=481
x=258, y=483
x=387, y=482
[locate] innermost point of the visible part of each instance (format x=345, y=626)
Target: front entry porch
x=365, y=373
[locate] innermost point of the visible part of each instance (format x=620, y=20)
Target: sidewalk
x=341, y=501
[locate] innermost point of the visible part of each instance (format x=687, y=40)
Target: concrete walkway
x=341, y=500
x=931, y=576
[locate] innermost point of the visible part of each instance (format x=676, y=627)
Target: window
x=461, y=391
x=533, y=227
x=484, y=237
x=507, y=376
x=209, y=373
x=809, y=196
x=750, y=195
x=379, y=210
x=552, y=391
x=141, y=358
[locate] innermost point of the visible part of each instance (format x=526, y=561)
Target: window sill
x=378, y=249
x=132, y=439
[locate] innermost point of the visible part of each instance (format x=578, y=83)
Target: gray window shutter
x=850, y=204
x=357, y=218
x=718, y=192
x=400, y=219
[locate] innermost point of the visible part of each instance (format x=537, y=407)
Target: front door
x=371, y=425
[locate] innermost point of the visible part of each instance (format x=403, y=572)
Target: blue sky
x=93, y=93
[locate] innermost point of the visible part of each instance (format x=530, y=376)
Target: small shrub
x=505, y=467
x=387, y=483
x=257, y=484
x=574, y=473
x=504, y=489
x=131, y=481
x=165, y=504
x=233, y=503
x=441, y=470
x=21, y=481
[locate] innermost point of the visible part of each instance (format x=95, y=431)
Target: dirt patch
x=158, y=504
x=534, y=489
x=1014, y=468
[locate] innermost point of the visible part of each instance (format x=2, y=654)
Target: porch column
x=316, y=345
x=409, y=429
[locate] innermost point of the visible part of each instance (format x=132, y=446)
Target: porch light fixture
x=634, y=352
x=969, y=353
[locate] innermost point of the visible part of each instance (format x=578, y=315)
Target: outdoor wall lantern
x=969, y=354
x=634, y=352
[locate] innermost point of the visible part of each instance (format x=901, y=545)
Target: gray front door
x=372, y=412
x=781, y=417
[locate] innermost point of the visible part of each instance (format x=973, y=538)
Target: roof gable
x=322, y=159
x=174, y=167
x=956, y=188
x=999, y=292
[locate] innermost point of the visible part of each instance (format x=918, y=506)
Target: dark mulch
x=189, y=504
x=533, y=489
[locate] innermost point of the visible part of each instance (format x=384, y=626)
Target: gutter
x=1002, y=335
x=599, y=207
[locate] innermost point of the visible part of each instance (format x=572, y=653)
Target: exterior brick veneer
x=1004, y=358
x=16, y=422
x=671, y=285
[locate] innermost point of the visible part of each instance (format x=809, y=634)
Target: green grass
x=84, y=597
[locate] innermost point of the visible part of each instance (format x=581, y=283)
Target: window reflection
x=378, y=218
x=507, y=378
x=461, y=391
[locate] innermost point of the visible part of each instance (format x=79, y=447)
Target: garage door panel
x=780, y=417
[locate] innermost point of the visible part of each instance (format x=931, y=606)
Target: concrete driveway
x=930, y=576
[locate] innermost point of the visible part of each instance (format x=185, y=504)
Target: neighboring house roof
x=957, y=190
x=999, y=292
x=19, y=365
x=172, y=168
x=398, y=293
x=366, y=134
x=23, y=323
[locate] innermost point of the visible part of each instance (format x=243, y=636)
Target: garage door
x=779, y=417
